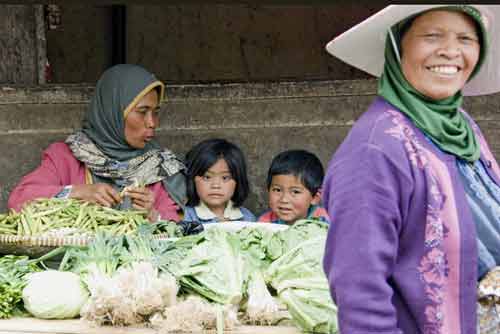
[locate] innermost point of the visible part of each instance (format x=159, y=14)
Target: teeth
x=444, y=69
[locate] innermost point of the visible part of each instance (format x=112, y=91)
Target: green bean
x=45, y=213
x=4, y=230
x=85, y=223
x=24, y=223
x=47, y=223
x=81, y=213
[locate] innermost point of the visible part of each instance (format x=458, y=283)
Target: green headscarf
x=440, y=120
x=101, y=144
x=118, y=89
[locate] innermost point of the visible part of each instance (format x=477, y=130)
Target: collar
x=230, y=212
x=310, y=214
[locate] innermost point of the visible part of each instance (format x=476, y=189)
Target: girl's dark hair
x=300, y=163
x=204, y=155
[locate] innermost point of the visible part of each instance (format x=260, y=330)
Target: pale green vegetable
x=301, y=284
x=261, y=307
x=195, y=314
x=64, y=217
x=214, y=268
x=54, y=294
x=122, y=276
x=311, y=309
x=300, y=231
x=261, y=246
x=130, y=296
x=13, y=272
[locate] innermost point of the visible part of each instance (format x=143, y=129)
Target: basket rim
x=52, y=241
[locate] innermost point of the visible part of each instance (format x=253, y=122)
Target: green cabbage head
x=54, y=294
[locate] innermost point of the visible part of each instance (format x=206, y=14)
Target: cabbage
x=214, y=268
x=54, y=294
x=298, y=278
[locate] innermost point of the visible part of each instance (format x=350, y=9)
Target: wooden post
x=41, y=44
x=17, y=46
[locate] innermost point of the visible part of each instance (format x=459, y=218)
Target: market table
x=77, y=326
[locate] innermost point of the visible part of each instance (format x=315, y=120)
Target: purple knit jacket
x=401, y=250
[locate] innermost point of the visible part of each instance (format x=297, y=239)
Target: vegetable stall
x=118, y=273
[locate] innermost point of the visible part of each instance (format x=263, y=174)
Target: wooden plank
x=72, y=326
x=77, y=326
x=10, y=332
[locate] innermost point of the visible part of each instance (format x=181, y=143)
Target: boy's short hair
x=302, y=164
x=204, y=155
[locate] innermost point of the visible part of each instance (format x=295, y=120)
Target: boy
x=294, y=184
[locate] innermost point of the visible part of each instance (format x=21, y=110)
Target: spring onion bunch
x=122, y=276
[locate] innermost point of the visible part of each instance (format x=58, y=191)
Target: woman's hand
x=143, y=199
x=100, y=193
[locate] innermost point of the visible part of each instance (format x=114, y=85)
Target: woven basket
x=34, y=246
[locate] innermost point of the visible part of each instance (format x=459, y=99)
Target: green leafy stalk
x=215, y=268
x=13, y=270
x=102, y=256
x=301, y=284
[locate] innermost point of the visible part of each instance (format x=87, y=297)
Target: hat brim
x=363, y=45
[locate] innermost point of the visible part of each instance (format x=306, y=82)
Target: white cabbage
x=54, y=294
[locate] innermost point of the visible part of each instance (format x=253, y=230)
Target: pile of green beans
x=8, y=224
x=44, y=215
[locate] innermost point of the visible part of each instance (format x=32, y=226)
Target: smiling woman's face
x=439, y=53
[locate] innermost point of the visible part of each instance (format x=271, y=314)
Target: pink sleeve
x=57, y=169
x=167, y=208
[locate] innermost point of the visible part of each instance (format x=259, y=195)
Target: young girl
x=217, y=183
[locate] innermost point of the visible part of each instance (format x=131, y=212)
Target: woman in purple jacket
x=414, y=179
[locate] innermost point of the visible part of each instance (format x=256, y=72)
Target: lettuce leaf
x=215, y=268
x=301, y=284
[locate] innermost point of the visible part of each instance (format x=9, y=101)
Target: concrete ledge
x=81, y=93
x=262, y=118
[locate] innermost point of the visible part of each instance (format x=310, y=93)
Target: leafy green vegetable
x=302, y=230
x=301, y=284
x=214, y=268
x=139, y=248
x=311, y=309
x=260, y=246
x=102, y=256
x=13, y=270
x=54, y=294
x=261, y=307
x=172, y=252
x=264, y=246
x=172, y=229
